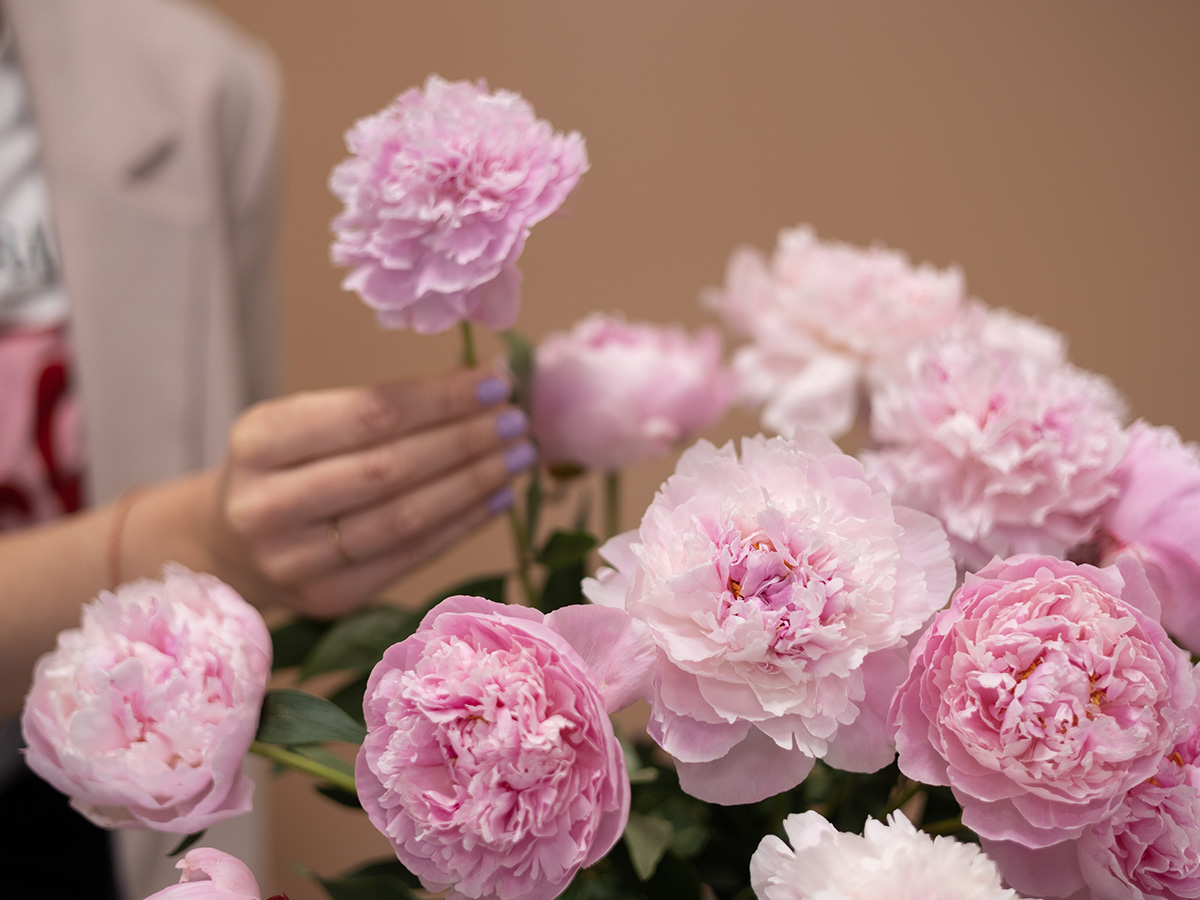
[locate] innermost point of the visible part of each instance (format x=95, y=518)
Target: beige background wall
x=1051, y=150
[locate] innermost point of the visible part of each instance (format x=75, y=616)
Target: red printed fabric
x=41, y=443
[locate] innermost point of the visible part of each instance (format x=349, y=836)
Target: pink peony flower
x=780, y=589
x=1155, y=517
x=888, y=862
x=1147, y=848
x=822, y=315
x=490, y=762
x=1011, y=447
x=609, y=393
x=143, y=714
x=441, y=191
x=211, y=875
x=1042, y=696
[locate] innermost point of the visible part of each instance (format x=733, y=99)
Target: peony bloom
x=1146, y=849
x=609, y=393
x=1155, y=517
x=490, y=762
x=1042, y=696
x=888, y=862
x=780, y=589
x=823, y=315
x=1010, y=446
x=441, y=190
x=211, y=875
x=143, y=714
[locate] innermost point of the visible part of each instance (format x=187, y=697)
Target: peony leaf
x=294, y=640
x=388, y=880
x=647, y=839
x=349, y=699
x=566, y=548
x=291, y=717
x=187, y=842
x=357, y=641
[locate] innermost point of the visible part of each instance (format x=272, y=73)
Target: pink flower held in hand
x=441, y=191
x=887, y=862
x=1042, y=695
x=990, y=430
x=209, y=874
x=1155, y=518
x=490, y=762
x=609, y=393
x=822, y=315
x=143, y=714
x=780, y=589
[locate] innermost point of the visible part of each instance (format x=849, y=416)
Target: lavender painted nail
x=501, y=500
x=492, y=390
x=520, y=457
x=512, y=423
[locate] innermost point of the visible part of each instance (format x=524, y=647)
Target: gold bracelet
x=115, y=529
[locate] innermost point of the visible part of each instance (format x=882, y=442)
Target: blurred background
x=1052, y=151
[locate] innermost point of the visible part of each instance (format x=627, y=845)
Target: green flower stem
x=909, y=791
x=304, y=764
x=469, y=357
x=943, y=826
x=612, y=503
x=524, y=554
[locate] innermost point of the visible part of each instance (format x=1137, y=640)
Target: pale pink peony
x=1155, y=517
x=1042, y=695
x=143, y=714
x=780, y=589
x=887, y=862
x=209, y=874
x=608, y=392
x=490, y=762
x=990, y=430
x=441, y=191
x=821, y=316
x=1148, y=848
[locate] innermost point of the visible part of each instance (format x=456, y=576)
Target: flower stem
x=612, y=503
x=524, y=554
x=304, y=764
x=469, y=357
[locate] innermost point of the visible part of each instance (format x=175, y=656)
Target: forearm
x=49, y=571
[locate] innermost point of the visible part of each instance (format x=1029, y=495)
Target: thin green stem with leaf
x=293, y=760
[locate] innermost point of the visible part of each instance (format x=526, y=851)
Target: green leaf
x=520, y=363
x=375, y=881
x=647, y=839
x=291, y=717
x=566, y=548
x=294, y=640
x=563, y=587
x=187, y=842
x=349, y=699
x=339, y=795
x=357, y=641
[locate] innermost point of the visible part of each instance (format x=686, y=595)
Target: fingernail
x=502, y=500
x=512, y=423
x=491, y=391
x=520, y=458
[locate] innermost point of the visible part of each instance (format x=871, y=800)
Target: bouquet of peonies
x=953, y=665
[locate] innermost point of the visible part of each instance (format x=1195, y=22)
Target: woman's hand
x=328, y=496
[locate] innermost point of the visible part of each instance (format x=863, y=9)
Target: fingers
x=309, y=426
x=337, y=485
x=338, y=591
x=396, y=524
